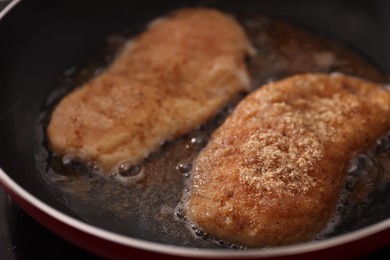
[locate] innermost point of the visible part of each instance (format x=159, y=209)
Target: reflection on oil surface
x=143, y=203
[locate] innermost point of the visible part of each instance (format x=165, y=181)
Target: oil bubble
x=184, y=167
x=127, y=169
x=364, y=173
x=129, y=173
x=383, y=145
x=180, y=215
x=197, y=141
x=74, y=162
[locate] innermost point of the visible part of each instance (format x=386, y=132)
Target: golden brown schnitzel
x=169, y=80
x=272, y=174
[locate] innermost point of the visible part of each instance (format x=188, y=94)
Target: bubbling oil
x=145, y=200
x=364, y=187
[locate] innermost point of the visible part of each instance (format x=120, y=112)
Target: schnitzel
x=173, y=77
x=272, y=173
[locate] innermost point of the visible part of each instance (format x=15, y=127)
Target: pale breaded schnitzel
x=169, y=80
x=273, y=172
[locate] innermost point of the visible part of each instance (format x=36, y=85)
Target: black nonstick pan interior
x=42, y=40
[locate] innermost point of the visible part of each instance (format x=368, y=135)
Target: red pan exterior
x=113, y=246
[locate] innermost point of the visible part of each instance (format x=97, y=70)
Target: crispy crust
x=273, y=172
x=172, y=78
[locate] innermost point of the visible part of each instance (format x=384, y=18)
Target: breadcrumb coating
x=170, y=79
x=272, y=174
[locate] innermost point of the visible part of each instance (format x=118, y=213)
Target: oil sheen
x=143, y=201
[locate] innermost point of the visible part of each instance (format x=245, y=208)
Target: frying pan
x=39, y=40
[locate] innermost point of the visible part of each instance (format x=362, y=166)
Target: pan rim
x=8, y=8
x=189, y=252
x=127, y=241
